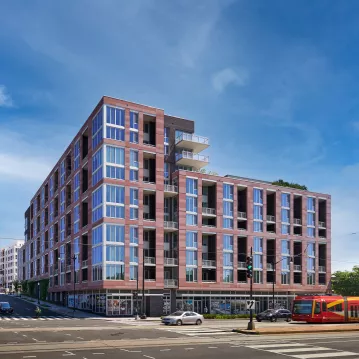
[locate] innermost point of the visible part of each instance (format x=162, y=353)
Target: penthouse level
x=127, y=200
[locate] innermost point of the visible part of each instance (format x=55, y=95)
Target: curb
x=310, y=330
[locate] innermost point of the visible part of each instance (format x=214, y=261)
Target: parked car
x=5, y=308
x=275, y=315
x=179, y=318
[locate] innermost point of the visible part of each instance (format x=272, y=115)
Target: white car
x=179, y=318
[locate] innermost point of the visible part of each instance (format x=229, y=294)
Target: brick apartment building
x=127, y=207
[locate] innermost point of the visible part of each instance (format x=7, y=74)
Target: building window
x=133, y=137
x=285, y=229
x=258, y=196
x=134, y=254
x=115, y=116
x=115, y=272
x=166, y=139
x=257, y=277
x=285, y=200
x=191, y=204
x=285, y=247
x=228, y=223
x=134, y=196
x=227, y=259
x=191, y=219
x=62, y=174
x=115, y=133
x=62, y=200
x=228, y=208
x=311, y=278
x=115, y=156
x=133, y=235
x=227, y=191
x=77, y=187
x=285, y=277
x=191, y=239
x=227, y=242
x=97, y=255
x=134, y=120
x=97, y=161
x=77, y=155
x=311, y=204
x=191, y=186
x=257, y=226
x=258, y=212
x=311, y=232
x=97, y=202
x=97, y=125
x=191, y=274
x=115, y=233
x=76, y=219
x=228, y=275
x=115, y=195
x=133, y=272
x=285, y=216
x=97, y=235
x=62, y=229
x=115, y=253
x=310, y=219
x=134, y=158
x=133, y=213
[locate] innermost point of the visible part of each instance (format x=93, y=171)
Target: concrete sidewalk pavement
x=304, y=329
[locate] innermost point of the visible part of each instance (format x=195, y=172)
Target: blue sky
x=273, y=84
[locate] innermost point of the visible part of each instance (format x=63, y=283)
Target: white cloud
x=228, y=76
x=5, y=98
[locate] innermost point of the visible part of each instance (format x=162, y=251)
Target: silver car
x=179, y=318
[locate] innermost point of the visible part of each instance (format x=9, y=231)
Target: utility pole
x=74, y=259
x=251, y=325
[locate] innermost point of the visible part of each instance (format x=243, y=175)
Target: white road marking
x=24, y=335
x=68, y=354
x=188, y=348
x=165, y=350
x=98, y=353
x=323, y=355
x=135, y=351
x=125, y=350
x=29, y=356
x=16, y=333
x=80, y=338
x=68, y=335
x=147, y=356
x=12, y=342
x=264, y=346
x=293, y=350
x=212, y=347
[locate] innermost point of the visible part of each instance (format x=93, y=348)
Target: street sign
x=250, y=304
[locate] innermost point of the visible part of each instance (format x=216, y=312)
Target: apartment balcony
x=150, y=261
x=270, y=266
x=68, y=268
x=171, y=283
x=85, y=263
x=321, y=224
x=297, y=268
x=171, y=262
x=208, y=263
x=170, y=190
x=170, y=226
x=321, y=269
x=209, y=212
x=186, y=158
x=242, y=215
x=241, y=265
x=297, y=222
x=270, y=218
x=192, y=142
x=56, y=272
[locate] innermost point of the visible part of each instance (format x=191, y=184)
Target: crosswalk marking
x=196, y=331
x=43, y=318
x=302, y=351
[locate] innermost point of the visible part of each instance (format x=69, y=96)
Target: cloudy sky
x=273, y=84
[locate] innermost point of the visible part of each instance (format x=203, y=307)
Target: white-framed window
x=191, y=274
x=115, y=271
x=115, y=162
x=76, y=219
x=192, y=186
x=77, y=155
x=115, y=233
x=97, y=204
x=133, y=120
x=97, y=235
x=134, y=235
x=97, y=129
x=227, y=275
x=97, y=168
x=77, y=187
x=115, y=253
x=115, y=201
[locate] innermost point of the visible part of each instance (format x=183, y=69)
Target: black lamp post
x=274, y=274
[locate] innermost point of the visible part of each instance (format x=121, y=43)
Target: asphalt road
x=22, y=308
x=259, y=347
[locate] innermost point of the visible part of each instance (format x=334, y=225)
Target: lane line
x=165, y=350
x=324, y=355
x=29, y=356
x=264, y=346
x=147, y=356
x=80, y=338
x=294, y=350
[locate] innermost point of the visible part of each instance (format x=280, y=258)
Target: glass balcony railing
x=192, y=138
x=191, y=156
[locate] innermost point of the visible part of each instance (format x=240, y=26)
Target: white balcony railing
x=242, y=215
x=270, y=218
x=171, y=261
x=193, y=138
x=297, y=268
x=241, y=265
x=209, y=211
x=270, y=266
x=321, y=269
x=170, y=225
x=85, y=263
x=208, y=263
x=321, y=224
x=297, y=221
x=191, y=156
x=171, y=188
x=171, y=283
x=150, y=260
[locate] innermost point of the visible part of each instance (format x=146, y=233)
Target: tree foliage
x=346, y=282
x=282, y=183
x=24, y=287
x=16, y=285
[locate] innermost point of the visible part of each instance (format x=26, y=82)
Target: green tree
x=24, y=287
x=346, y=282
x=282, y=183
x=16, y=285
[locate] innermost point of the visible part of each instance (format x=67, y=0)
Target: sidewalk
x=305, y=329
x=61, y=310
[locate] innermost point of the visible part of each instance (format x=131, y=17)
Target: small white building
x=9, y=266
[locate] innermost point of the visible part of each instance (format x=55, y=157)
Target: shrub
x=225, y=316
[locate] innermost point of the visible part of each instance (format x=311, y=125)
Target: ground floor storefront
x=116, y=303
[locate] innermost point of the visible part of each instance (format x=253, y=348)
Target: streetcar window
x=317, y=308
x=336, y=308
x=351, y=311
x=324, y=307
x=356, y=311
x=302, y=307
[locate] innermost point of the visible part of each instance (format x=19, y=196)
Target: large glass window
x=227, y=242
x=191, y=219
x=133, y=235
x=76, y=219
x=134, y=158
x=115, y=155
x=257, y=276
x=311, y=249
x=285, y=216
x=133, y=272
x=115, y=116
x=97, y=201
x=115, y=253
x=97, y=235
x=77, y=155
x=191, y=204
x=228, y=208
x=285, y=200
x=191, y=239
x=310, y=219
x=97, y=123
x=191, y=186
x=228, y=223
x=134, y=196
x=115, y=194
x=134, y=120
x=134, y=137
x=134, y=254
x=285, y=229
x=258, y=212
x=227, y=191
x=228, y=275
x=62, y=229
x=76, y=186
x=257, y=226
x=191, y=274
x=258, y=196
x=258, y=244
x=115, y=233
x=310, y=278
x=311, y=204
x=62, y=200
x=97, y=255
x=227, y=259
x=133, y=213
x=191, y=257
x=97, y=162
x=115, y=272
x=285, y=247
x=311, y=232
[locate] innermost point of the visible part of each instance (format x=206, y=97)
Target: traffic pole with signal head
x=251, y=325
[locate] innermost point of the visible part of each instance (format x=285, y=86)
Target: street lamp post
x=274, y=274
x=74, y=259
x=38, y=292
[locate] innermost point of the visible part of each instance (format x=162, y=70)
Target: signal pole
x=251, y=325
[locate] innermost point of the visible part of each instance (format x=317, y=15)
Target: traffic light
x=249, y=263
